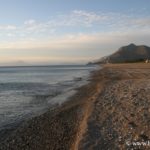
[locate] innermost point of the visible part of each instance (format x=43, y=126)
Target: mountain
x=130, y=53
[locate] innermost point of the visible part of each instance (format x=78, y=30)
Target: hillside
x=130, y=53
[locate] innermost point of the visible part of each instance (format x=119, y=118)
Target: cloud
x=82, y=18
x=30, y=22
x=10, y=35
x=8, y=27
x=81, y=41
x=79, y=35
x=141, y=22
x=71, y=48
x=34, y=26
x=77, y=21
x=76, y=18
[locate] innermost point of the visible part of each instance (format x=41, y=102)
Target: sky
x=45, y=32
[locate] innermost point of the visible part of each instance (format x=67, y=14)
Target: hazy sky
x=69, y=31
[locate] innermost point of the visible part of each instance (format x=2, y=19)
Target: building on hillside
x=147, y=61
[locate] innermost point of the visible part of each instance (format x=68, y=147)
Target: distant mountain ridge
x=129, y=53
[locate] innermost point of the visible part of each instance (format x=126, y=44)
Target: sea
x=26, y=92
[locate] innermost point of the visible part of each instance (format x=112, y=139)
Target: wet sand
x=110, y=112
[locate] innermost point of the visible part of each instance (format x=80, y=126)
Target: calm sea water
x=28, y=91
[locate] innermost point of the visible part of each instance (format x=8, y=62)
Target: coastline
x=57, y=128
x=83, y=121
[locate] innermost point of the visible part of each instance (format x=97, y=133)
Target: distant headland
x=127, y=54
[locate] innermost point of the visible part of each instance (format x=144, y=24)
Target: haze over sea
x=29, y=91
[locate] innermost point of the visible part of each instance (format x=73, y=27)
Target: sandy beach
x=111, y=112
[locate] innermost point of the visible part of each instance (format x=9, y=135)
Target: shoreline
x=51, y=127
x=50, y=95
x=84, y=120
